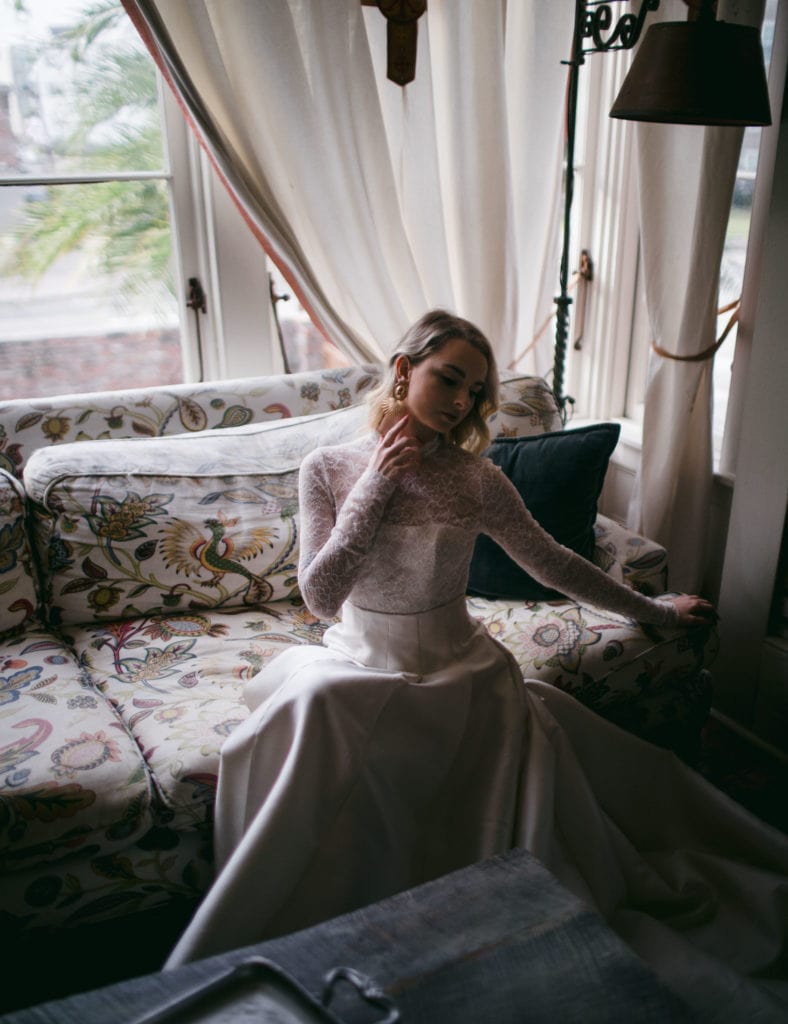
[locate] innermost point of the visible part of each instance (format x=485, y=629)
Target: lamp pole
x=593, y=18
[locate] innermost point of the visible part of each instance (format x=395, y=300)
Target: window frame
x=236, y=334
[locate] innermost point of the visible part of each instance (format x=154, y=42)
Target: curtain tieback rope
x=711, y=350
x=698, y=357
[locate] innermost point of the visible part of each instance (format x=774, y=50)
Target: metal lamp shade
x=697, y=72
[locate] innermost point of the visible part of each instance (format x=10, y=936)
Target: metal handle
x=365, y=987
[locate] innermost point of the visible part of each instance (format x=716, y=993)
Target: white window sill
x=630, y=445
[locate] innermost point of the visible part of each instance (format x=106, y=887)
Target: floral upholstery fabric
x=179, y=695
x=71, y=771
x=29, y=424
x=18, y=598
x=98, y=883
x=647, y=673
x=637, y=561
x=188, y=522
x=527, y=406
x=165, y=564
x=193, y=521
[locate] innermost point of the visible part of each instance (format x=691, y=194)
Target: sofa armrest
x=18, y=599
x=637, y=561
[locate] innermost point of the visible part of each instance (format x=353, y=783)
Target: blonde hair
x=426, y=337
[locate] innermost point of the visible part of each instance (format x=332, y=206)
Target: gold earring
x=401, y=390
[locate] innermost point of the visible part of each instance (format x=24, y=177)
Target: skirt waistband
x=421, y=642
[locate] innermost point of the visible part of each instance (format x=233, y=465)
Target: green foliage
x=122, y=225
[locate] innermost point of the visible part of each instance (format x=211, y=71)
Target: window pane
x=305, y=348
x=732, y=274
x=86, y=291
x=78, y=90
x=92, y=316
x=735, y=252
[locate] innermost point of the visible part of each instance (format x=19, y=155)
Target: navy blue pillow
x=559, y=476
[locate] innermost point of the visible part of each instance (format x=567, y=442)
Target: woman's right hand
x=693, y=610
x=396, y=451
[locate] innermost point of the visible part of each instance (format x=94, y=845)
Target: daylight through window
x=86, y=285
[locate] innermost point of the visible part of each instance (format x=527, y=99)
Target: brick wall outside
x=55, y=366
x=59, y=366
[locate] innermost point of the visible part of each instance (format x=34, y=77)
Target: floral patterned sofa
x=148, y=551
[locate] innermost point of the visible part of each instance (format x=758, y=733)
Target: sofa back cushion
x=139, y=526
x=559, y=476
x=29, y=424
x=136, y=526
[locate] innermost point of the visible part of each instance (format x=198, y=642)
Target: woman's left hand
x=694, y=610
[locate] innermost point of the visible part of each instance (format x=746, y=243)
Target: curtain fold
x=686, y=177
x=378, y=202
x=686, y=180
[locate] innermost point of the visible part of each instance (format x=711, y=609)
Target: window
x=87, y=296
x=110, y=209
x=109, y=212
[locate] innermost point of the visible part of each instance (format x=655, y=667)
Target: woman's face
x=443, y=388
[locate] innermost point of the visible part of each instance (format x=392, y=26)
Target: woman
x=407, y=745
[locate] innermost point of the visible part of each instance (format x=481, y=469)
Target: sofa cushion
x=29, y=424
x=176, y=682
x=646, y=679
x=132, y=527
x=93, y=885
x=559, y=476
x=137, y=526
x=527, y=406
x=177, y=685
x=72, y=776
x=17, y=579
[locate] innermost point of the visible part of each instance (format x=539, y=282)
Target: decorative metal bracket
x=598, y=17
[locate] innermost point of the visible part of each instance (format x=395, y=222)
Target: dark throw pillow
x=559, y=476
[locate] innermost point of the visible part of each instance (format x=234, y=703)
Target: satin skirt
x=409, y=745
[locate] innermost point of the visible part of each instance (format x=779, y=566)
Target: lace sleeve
x=510, y=524
x=333, y=547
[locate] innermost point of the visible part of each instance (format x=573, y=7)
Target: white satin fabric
x=408, y=746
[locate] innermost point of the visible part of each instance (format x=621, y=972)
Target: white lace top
x=405, y=546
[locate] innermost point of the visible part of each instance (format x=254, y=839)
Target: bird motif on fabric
x=21, y=749
x=187, y=548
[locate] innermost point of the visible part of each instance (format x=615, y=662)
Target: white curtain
x=379, y=202
x=686, y=182
x=686, y=176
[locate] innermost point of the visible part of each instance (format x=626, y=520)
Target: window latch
x=196, y=299
x=585, y=276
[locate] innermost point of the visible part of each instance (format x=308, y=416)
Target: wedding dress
x=408, y=745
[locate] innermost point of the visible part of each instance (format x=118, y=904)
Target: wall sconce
x=700, y=71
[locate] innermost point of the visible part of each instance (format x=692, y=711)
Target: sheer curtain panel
x=686, y=179
x=379, y=201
